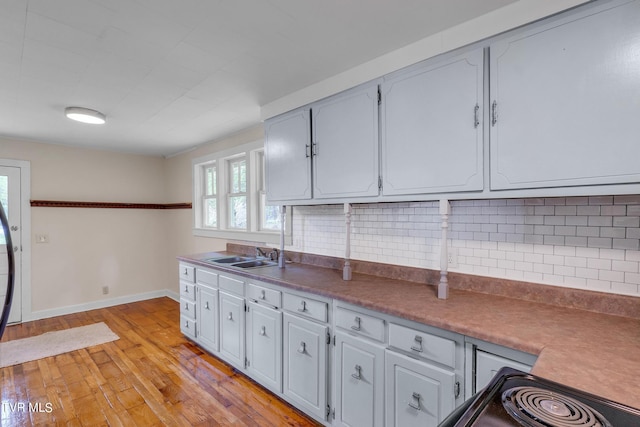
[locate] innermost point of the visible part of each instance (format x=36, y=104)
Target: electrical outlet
x=105, y=290
x=452, y=254
x=42, y=238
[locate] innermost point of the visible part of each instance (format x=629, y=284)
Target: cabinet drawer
x=423, y=344
x=186, y=273
x=306, y=307
x=362, y=324
x=264, y=295
x=187, y=308
x=207, y=277
x=187, y=291
x=188, y=326
x=231, y=285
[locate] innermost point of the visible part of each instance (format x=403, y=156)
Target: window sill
x=251, y=236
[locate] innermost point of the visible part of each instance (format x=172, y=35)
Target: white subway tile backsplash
x=582, y=242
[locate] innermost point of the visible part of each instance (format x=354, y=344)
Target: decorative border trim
x=107, y=205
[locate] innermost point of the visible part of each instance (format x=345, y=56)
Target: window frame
x=253, y=154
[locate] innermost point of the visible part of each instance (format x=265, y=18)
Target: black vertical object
x=11, y=273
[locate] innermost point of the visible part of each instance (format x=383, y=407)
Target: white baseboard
x=70, y=309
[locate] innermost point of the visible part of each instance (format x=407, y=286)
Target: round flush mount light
x=85, y=115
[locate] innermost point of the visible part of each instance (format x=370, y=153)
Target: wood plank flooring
x=151, y=376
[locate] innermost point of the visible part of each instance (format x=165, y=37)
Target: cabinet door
x=305, y=364
x=488, y=365
x=566, y=95
x=288, y=156
x=432, y=127
x=232, y=329
x=359, y=382
x=345, y=144
x=418, y=393
x=264, y=345
x=208, y=318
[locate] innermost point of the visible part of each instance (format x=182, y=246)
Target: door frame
x=25, y=229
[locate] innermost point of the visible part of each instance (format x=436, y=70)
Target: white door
x=10, y=198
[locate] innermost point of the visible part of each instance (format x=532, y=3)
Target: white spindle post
x=283, y=211
x=346, y=271
x=443, y=286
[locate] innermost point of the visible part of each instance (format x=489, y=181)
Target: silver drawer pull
x=304, y=306
x=263, y=294
x=186, y=288
x=303, y=348
x=356, y=327
x=415, y=397
x=186, y=272
x=186, y=324
x=186, y=306
x=263, y=331
x=417, y=339
x=206, y=305
x=230, y=316
x=358, y=374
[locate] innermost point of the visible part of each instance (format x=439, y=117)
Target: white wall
x=91, y=248
x=579, y=242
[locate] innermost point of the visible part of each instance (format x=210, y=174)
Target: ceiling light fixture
x=85, y=115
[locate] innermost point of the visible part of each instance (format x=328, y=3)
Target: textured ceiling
x=173, y=74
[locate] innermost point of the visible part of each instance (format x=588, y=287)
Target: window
x=229, y=195
x=210, y=196
x=269, y=214
x=237, y=193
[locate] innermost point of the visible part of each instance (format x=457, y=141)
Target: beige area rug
x=54, y=343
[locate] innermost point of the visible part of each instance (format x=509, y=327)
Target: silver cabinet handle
x=415, y=397
x=263, y=295
x=417, y=339
x=356, y=327
x=206, y=305
x=186, y=306
x=186, y=324
x=304, y=306
x=303, y=348
x=476, y=117
x=263, y=331
x=230, y=316
x=358, y=374
x=186, y=288
x=186, y=272
x=494, y=113
x=14, y=228
x=307, y=154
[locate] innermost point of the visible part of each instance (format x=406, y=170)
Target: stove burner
x=537, y=407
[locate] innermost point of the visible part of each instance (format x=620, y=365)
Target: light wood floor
x=151, y=376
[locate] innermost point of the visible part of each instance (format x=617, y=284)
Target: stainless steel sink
x=230, y=260
x=242, y=262
x=254, y=263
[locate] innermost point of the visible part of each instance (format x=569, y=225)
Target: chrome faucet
x=272, y=255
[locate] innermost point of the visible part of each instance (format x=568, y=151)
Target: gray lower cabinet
x=417, y=393
x=305, y=364
x=359, y=377
x=208, y=318
x=232, y=329
x=264, y=345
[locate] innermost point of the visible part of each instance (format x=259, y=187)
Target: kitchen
x=63, y=272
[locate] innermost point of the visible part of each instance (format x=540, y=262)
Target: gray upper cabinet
x=566, y=97
x=288, y=156
x=431, y=124
x=345, y=144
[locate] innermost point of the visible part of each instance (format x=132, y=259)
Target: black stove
x=515, y=398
